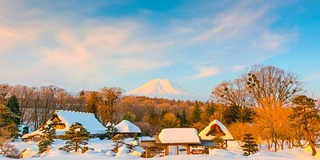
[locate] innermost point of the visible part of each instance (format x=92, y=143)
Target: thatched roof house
x=61, y=120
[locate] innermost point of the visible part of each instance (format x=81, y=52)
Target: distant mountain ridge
x=161, y=88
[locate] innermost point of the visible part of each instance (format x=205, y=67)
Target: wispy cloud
x=312, y=77
x=239, y=67
x=50, y=42
x=204, y=72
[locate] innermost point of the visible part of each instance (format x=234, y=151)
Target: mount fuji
x=162, y=88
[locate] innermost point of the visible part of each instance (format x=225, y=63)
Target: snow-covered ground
x=101, y=148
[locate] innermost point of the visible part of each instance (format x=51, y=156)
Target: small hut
x=216, y=129
x=169, y=137
x=127, y=128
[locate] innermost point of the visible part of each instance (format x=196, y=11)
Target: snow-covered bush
x=77, y=137
x=48, y=133
x=118, y=141
x=249, y=147
x=7, y=149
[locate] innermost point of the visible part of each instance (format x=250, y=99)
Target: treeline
x=265, y=101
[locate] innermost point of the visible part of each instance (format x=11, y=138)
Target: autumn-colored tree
x=271, y=89
x=170, y=121
x=109, y=98
x=4, y=91
x=92, y=103
x=238, y=130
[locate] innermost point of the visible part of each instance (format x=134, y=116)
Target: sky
x=87, y=45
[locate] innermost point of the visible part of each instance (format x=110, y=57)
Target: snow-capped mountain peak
x=161, y=88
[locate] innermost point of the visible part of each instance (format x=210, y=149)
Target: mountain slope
x=161, y=88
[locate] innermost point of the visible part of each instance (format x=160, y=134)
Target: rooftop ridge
x=72, y=111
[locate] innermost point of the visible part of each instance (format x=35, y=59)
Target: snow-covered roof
x=126, y=126
x=87, y=120
x=204, y=133
x=37, y=132
x=179, y=135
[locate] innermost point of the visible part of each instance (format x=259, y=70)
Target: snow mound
x=110, y=153
x=221, y=153
x=29, y=152
x=126, y=126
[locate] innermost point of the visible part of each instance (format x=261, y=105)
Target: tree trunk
x=314, y=151
x=76, y=147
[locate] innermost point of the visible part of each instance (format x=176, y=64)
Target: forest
x=265, y=101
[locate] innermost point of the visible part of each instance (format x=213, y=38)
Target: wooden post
x=177, y=150
x=147, y=152
x=166, y=150
x=188, y=149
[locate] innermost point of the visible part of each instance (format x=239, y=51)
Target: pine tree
x=249, y=147
x=25, y=130
x=183, y=118
x=77, y=137
x=219, y=142
x=13, y=105
x=196, y=112
x=306, y=119
x=118, y=141
x=48, y=132
x=7, y=120
x=210, y=109
x=129, y=116
x=111, y=130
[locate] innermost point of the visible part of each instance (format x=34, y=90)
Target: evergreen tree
x=183, y=118
x=110, y=131
x=7, y=120
x=13, y=105
x=25, y=130
x=305, y=118
x=231, y=114
x=249, y=147
x=77, y=137
x=196, y=113
x=219, y=142
x=48, y=132
x=129, y=116
x=210, y=109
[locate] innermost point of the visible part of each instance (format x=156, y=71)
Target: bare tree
x=4, y=91
x=271, y=88
x=231, y=93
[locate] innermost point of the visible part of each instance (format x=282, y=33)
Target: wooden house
x=61, y=120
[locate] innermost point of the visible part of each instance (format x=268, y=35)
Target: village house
x=61, y=120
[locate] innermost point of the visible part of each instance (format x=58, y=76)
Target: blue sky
x=196, y=44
